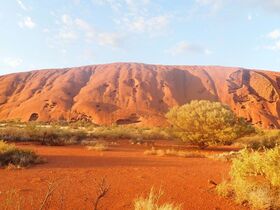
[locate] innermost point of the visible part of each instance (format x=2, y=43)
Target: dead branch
x=101, y=191
x=52, y=186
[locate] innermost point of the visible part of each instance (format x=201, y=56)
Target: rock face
x=126, y=93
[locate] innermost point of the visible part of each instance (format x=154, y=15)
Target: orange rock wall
x=137, y=93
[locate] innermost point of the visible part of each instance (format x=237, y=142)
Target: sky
x=39, y=34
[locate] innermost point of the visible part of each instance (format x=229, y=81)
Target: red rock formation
x=137, y=93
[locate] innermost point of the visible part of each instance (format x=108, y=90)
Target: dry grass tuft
x=98, y=146
x=226, y=156
x=261, y=140
x=64, y=133
x=173, y=152
x=151, y=202
x=14, y=199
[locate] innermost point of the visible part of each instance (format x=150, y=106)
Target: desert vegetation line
x=255, y=170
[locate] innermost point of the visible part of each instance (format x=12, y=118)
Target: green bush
x=255, y=179
x=9, y=154
x=206, y=123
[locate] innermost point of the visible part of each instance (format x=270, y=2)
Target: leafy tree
x=206, y=123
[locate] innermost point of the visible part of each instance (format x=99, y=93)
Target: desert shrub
x=255, y=179
x=263, y=139
x=77, y=124
x=151, y=202
x=10, y=154
x=206, y=123
x=223, y=189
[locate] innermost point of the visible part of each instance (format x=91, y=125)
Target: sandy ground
x=126, y=169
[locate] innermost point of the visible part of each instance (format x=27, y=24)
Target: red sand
x=129, y=172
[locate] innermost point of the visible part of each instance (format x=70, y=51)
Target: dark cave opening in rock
x=33, y=117
x=133, y=118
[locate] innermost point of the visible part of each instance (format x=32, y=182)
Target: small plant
x=98, y=146
x=151, y=202
x=13, y=199
x=223, y=189
x=11, y=155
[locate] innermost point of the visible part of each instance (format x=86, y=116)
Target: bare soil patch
x=126, y=169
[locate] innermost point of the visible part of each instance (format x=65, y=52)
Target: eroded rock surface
x=125, y=93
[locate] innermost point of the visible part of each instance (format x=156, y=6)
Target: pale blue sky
x=36, y=34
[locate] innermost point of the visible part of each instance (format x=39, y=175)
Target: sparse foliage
x=98, y=146
x=101, y=191
x=151, y=202
x=173, y=152
x=58, y=135
x=11, y=155
x=255, y=179
x=51, y=197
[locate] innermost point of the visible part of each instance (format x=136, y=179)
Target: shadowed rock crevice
x=132, y=119
x=33, y=117
x=255, y=97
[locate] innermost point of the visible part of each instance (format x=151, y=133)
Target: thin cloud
x=72, y=29
x=22, y=6
x=249, y=17
x=213, y=4
x=274, y=38
x=67, y=35
x=27, y=22
x=269, y=5
x=139, y=16
x=275, y=34
x=118, y=5
x=274, y=47
x=266, y=5
x=12, y=62
x=186, y=47
x=111, y=39
x=153, y=25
